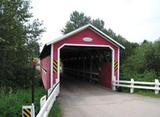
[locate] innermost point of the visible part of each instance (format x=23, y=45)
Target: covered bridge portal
x=86, y=53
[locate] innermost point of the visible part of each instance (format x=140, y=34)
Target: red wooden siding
x=45, y=71
x=78, y=39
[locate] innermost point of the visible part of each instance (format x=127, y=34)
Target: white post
x=43, y=100
x=132, y=86
x=33, y=111
x=156, y=86
x=114, y=84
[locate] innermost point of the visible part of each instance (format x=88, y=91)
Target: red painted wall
x=106, y=74
x=78, y=39
x=45, y=71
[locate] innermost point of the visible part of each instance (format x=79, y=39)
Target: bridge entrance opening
x=87, y=63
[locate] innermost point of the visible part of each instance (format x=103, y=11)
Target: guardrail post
x=43, y=100
x=113, y=84
x=156, y=86
x=33, y=110
x=132, y=86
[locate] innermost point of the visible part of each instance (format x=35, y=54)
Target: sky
x=135, y=20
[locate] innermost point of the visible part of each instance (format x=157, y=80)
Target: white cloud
x=135, y=20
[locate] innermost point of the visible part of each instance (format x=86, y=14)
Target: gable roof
x=82, y=28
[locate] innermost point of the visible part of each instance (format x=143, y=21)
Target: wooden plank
x=137, y=87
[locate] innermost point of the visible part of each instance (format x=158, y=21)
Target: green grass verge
x=55, y=111
x=149, y=93
x=11, y=101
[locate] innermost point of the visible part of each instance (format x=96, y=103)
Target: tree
x=18, y=42
x=76, y=20
x=139, y=61
x=141, y=64
x=98, y=24
x=153, y=58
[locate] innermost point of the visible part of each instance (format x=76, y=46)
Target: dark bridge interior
x=86, y=63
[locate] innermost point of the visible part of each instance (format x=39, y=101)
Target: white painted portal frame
x=85, y=45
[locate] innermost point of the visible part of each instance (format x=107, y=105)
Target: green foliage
x=149, y=93
x=11, y=101
x=55, y=111
x=138, y=61
x=144, y=76
x=143, y=63
x=18, y=42
x=98, y=23
x=78, y=20
x=153, y=58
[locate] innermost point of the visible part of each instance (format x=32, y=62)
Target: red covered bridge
x=86, y=52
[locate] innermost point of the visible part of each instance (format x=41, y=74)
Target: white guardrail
x=137, y=85
x=45, y=109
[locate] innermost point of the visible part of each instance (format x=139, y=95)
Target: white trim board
x=88, y=45
x=118, y=63
x=51, y=65
x=82, y=28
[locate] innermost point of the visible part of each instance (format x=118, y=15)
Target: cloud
x=135, y=20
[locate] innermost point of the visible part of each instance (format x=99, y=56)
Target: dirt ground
x=82, y=99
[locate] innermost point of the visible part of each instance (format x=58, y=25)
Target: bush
x=143, y=63
x=11, y=101
x=145, y=76
x=55, y=110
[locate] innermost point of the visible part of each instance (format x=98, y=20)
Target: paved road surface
x=81, y=99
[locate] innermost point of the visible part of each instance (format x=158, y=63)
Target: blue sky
x=135, y=20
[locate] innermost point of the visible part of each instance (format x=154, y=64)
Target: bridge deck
x=82, y=99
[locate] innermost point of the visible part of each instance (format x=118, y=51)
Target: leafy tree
x=18, y=42
x=98, y=24
x=139, y=61
x=153, y=58
x=138, y=58
x=144, y=62
x=76, y=20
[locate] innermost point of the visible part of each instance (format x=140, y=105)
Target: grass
x=55, y=111
x=149, y=93
x=11, y=102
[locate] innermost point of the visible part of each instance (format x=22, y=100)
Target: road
x=82, y=99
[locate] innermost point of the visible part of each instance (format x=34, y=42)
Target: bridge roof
x=82, y=28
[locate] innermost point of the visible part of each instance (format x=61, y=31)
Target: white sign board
x=87, y=39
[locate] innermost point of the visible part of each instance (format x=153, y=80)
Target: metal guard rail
x=44, y=111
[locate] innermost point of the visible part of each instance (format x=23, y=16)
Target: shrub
x=145, y=76
x=11, y=101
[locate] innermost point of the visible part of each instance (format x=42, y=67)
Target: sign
x=36, y=61
x=87, y=39
x=28, y=111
